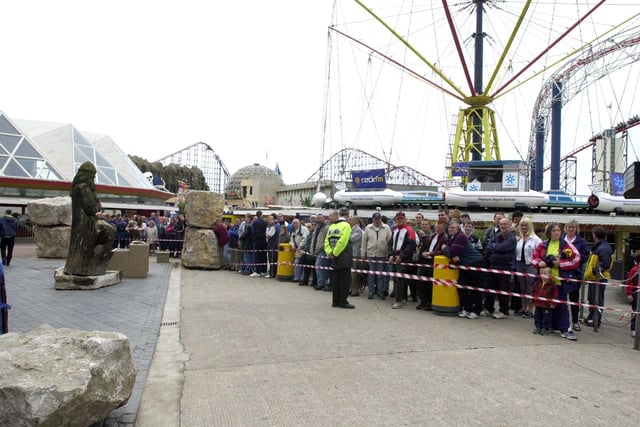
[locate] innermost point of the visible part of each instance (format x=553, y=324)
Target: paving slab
x=133, y=307
x=269, y=353
x=215, y=348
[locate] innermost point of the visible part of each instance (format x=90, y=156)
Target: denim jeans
x=297, y=269
x=377, y=265
x=247, y=261
x=322, y=262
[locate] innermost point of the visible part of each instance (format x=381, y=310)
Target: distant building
x=253, y=186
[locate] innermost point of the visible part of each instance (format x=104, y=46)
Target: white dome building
x=253, y=186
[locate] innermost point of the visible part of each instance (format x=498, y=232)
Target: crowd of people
x=159, y=232
x=551, y=263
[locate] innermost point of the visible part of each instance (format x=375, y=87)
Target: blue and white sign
x=510, y=180
x=617, y=184
x=369, y=179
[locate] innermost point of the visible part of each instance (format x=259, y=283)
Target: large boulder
x=200, y=249
x=52, y=226
x=50, y=211
x=203, y=208
x=56, y=377
x=51, y=242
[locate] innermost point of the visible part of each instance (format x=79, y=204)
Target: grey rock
x=52, y=242
x=56, y=377
x=50, y=211
x=203, y=208
x=200, y=249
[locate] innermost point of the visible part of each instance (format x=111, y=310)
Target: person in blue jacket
x=9, y=229
x=502, y=256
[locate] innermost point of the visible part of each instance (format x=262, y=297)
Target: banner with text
x=368, y=179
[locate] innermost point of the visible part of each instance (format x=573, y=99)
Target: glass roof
x=84, y=151
x=19, y=157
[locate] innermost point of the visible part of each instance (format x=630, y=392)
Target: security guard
x=338, y=249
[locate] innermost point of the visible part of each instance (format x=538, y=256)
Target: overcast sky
x=248, y=78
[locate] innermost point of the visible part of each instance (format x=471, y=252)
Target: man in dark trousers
x=258, y=230
x=502, y=255
x=339, y=251
x=8, y=229
x=597, y=272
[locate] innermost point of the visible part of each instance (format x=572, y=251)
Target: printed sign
x=368, y=179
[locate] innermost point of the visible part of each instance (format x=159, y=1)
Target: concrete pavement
x=239, y=351
x=263, y=352
x=134, y=307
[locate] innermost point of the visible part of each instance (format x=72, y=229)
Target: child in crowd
x=544, y=287
x=632, y=290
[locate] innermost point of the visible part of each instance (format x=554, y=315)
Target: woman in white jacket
x=299, y=236
x=526, y=246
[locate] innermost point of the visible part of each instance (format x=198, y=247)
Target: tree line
x=173, y=173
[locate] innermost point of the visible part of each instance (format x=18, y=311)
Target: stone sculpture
x=91, y=238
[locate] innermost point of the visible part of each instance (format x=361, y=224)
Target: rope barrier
x=454, y=283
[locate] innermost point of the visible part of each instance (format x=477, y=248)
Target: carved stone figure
x=91, y=238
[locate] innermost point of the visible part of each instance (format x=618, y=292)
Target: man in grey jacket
x=375, y=249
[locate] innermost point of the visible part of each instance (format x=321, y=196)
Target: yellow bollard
x=286, y=258
x=445, y=298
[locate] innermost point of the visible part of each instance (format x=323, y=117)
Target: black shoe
x=370, y=296
x=302, y=284
x=428, y=307
x=392, y=295
x=420, y=307
x=345, y=305
x=381, y=296
x=319, y=288
x=328, y=289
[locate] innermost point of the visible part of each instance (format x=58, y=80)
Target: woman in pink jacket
x=564, y=260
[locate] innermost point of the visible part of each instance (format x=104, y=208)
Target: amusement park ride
x=476, y=137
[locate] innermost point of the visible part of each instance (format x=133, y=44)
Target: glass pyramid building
x=39, y=159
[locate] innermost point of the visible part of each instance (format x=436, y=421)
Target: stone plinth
x=71, y=282
x=51, y=218
x=200, y=249
x=52, y=242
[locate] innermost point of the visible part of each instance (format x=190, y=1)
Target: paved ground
x=133, y=307
x=234, y=350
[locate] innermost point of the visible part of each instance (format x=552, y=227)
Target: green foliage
x=173, y=173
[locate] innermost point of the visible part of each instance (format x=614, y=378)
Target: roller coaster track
x=601, y=59
x=339, y=166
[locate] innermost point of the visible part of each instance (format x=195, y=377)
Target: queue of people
x=386, y=252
